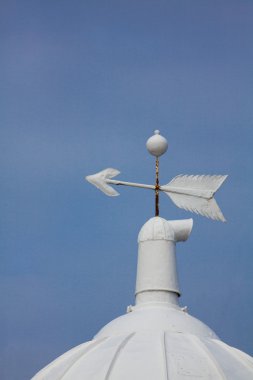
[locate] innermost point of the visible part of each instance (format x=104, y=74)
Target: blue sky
x=84, y=84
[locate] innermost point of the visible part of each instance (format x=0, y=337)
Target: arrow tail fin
x=198, y=183
x=198, y=205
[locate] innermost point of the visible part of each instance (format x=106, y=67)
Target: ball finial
x=157, y=144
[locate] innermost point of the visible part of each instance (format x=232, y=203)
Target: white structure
x=156, y=339
x=194, y=193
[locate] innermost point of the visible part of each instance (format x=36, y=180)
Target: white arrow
x=190, y=192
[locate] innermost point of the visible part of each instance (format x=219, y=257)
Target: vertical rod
x=157, y=187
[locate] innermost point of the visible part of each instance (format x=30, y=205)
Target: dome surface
x=152, y=343
x=156, y=339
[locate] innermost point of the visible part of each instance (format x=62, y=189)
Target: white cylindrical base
x=156, y=297
x=156, y=270
x=157, y=279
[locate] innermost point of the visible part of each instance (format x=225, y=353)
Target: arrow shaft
x=207, y=194
x=133, y=184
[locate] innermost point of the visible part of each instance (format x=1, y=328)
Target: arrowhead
x=99, y=180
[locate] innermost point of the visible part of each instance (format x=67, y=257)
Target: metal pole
x=157, y=187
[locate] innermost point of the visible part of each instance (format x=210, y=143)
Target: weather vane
x=194, y=193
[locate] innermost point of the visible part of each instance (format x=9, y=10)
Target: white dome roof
x=152, y=343
x=156, y=340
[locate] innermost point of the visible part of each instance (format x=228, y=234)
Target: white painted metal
x=152, y=342
x=132, y=184
x=204, y=186
x=190, y=192
x=157, y=279
x=195, y=193
x=99, y=180
x=157, y=144
x=157, y=339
